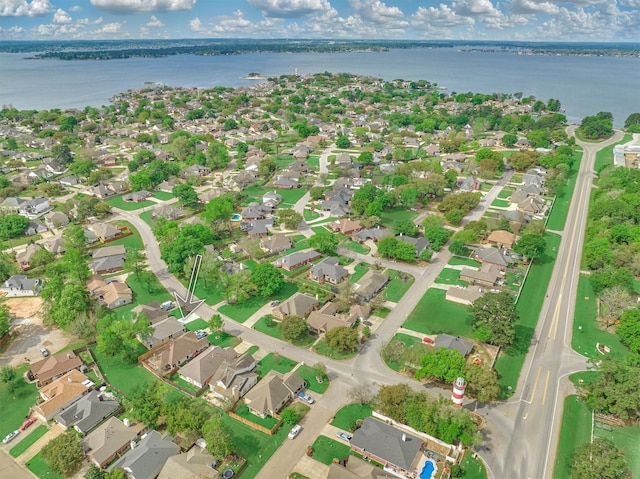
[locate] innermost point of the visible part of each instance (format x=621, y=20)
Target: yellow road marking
x=535, y=384
x=546, y=385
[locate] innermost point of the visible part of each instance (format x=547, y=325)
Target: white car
x=11, y=436
x=294, y=431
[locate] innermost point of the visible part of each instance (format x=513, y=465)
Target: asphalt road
x=523, y=433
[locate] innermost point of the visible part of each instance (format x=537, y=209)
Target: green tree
x=134, y=261
x=61, y=153
x=290, y=218
x=405, y=227
x=219, y=211
x=493, y=317
x=145, y=403
x=599, y=459
x=94, y=472
x=530, y=245
x=482, y=382
x=72, y=302
x=392, y=399
x=437, y=236
x=289, y=416
x=64, y=454
x=628, y=329
x=343, y=142
x=186, y=194
x=342, y=338
x=12, y=226
x=632, y=124
x=118, y=336
x=317, y=192
x=443, y=364
x=616, y=389
x=41, y=257
x=294, y=328
x=7, y=374
x=216, y=323
x=459, y=248
x=184, y=415
x=219, y=438
x=268, y=279
x=325, y=243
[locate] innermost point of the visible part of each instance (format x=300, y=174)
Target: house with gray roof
x=420, y=243
x=500, y=257
x=56, y=219
x=201, y=369
x=193, y=464
x=109, y=440
x=463, y=346
x=146, y=460
x=20, y=285
x=24, y=258
x=257, y=228
x=276, y=243
x=170, y=212
x=271, y=394
x=285, y=183
x=300, y=304
x=329, y=269
x=355, y=468
x=296, y=259
x=388, y=445
x=369, y=285
x=11, y=205
x=109, y=264
x=35, y=228
x=164, y=330
x=88, y=411
x=35, y=207
x=105, y=231
x=255, y=211
x=374, y=234
x=488, y=275
x=234, y=378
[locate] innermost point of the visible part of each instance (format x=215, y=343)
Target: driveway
x=10, y=469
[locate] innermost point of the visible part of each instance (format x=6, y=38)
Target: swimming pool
x=236, y=217
x=429, y=470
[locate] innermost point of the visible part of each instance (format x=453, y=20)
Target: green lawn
x=604, y=157
x=196, y=325
x=510, y=361
x=322, y=348
x=211, y=294
x=178, y=381
x=505, y=193
x=407, y=341
x=223, y=339
x=142, y=295
x=558, y=215
x=119, y=203
x=256, y=447
x=396, y=288
x=435, y=315
x=309, y=215
x=243, y=311
x=586, y=330
x=274, y=331
x=575, y=430
x=462, y=261
x=450, y=276
x=356, y=247
x=122, y=376
x=40, y=468
x=132, y=241
x=289, y=197
x=276, y=362
x=347, y=415
x=473, y=468
x=498, y=203
x=163, y=195
x=242, y=410
x=626, y=438
x=28, y=441
x=320, y=230
x=314, y=161
x=16, y=404
x=326, y=450
x=392, y=216
x=309, y=375
x=358, y=272
x=146, y=217
x=252, y=350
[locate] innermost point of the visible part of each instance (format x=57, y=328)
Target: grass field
x=461, y=261
x=473, y=468
x=309, y=215
x=558, y=215
x=129, y=205
x=276, y=362
x=274, y=331
x=242, y=410
x=289, y=197
x=122, y=376
x=390, y=217
x=322, y=348
x=498, y=203
x=356, y=247
x=575, y=430
x=450, y=276
x=586, y=330
x=505, y=193
x=40, y=468
x=163, y=195
x=359, y=271
x=223, y=339
x=510, y=362
x=325, y=450
x=243, y=311
x=626, y=438
x=347, y=415
x=28, y=441
x=396, y=288
x=604, y=157
x=429, y=316
x=309, y=375
x=16, y=404
x=196, y=324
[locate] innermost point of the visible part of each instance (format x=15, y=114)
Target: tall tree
x=443, y=364
x=530, y=245
x=294, y=328
x=218, y=436
x=64, y=454
x=615, y=391
x=493, y=317
x=267, y=278
x=342, y=338
x=599, y=459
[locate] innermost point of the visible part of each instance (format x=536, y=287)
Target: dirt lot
x=24, y=307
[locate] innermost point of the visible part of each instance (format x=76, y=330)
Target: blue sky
x=532, y=20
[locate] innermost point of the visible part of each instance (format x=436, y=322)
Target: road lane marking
x=557, y=318
x=546, y=385
x=535, y=384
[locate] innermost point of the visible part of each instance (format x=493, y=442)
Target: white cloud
x=630, y=3
x=24, y=8
x=534, y=6
x=376, y=11
x=110, y=28
x=56, y=30
x=486, y=12
x=61, y=17
x=76, y=8
x=290, y=8
x=195, y=25
x=154, y=22
x=441, y=17
x=136, y=6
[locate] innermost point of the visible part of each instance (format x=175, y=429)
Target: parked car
x=344, y=436
x=306, y=397
x=367, y=323
x=167, y=305
x=275, y=303
x=294, y=431
x=27, y=423
x=44, y=352
x=11, y=436
x=201, y=334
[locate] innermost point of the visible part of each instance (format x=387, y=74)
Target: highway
x=523, y=433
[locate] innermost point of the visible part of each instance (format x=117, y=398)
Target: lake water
x=584, y=85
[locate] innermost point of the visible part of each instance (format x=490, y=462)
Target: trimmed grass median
x=560, y=210
x=28, y=441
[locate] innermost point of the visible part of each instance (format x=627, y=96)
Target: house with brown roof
x=105, y=231
x=271, y=394
x=284, y=183
x=325, y=319
x=110, y=440
x=201, y=369
x=369, y=285
x=276, y=243
x=193, y=464
x=59, y=394
x=488, y=275
x=56, y=219
x=501, y=238
x=353, y=467
x=466, y=296
x=296, y=259
x=111, y=294
x=531, y=206
x=234, y=378
x=163, y=331
x=152, y=311
x=54, y=366
x=176, y=352
x=346, y=226
x=299, y=304
x=24, y=258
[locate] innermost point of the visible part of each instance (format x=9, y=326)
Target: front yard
x=326, y=450
x=243, y=311
x=119, y=203
x=450, y=276
x=276, y=362
x=398, y=285
x=309, y=375
x=428, y=316
x=346, y=417
x=16, y=403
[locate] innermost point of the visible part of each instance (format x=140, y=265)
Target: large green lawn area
x=396, y=288
x=510, y=361
x=28, y=441
x=407, y=341
x=558, y=215
x=289, y=197
x=347, y=415
x=322, y=348
x=142, y=295
x=162, y=195
x=119, y=203
x=16, y=404
x=626, y=438
x=196, y=325
x=132, y=241
x=586, y=328
x=243, y=311
x=462, y=261
x=211, y=294
x=242, y=410
x=356, y=247
x=575, y=430
x=434, y=315
x=390, y=217
x=473, y=468
x=450, y=276
x=326, y=450
x=359, y=271
x=122, y=376
x=498, y=203
x=40, y=468
x=604, y=157
x=274, y=361
x=273, y=329
x=223, y=339
x=309, y=375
